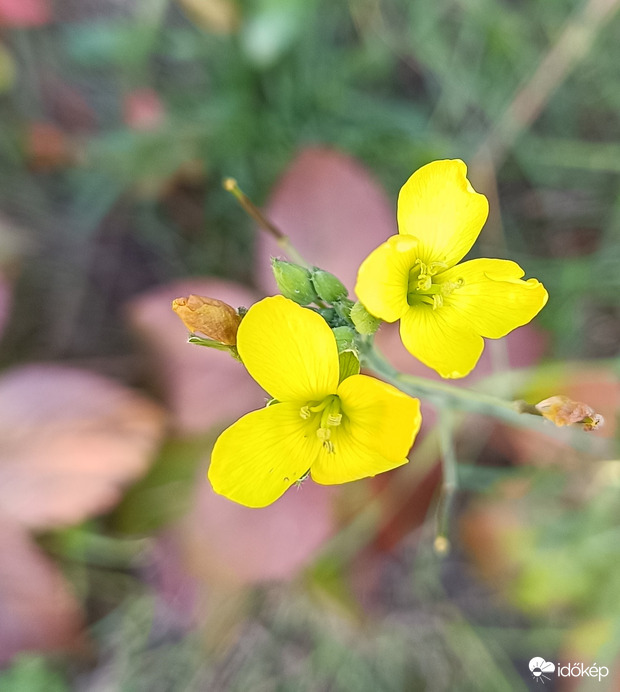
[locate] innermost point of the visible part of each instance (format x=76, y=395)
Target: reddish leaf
x=5, y=302
x=203, y=387
x=22, y=13
x=71, y=440
x=334, y=212
x=47, y=147
x=227, y=543
x=38, y=611
x=143, y=109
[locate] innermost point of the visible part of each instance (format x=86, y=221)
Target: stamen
x=324, y=434
x=436, y=267
x=424, y=282
x=331, y=417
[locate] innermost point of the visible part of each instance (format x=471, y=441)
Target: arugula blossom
x=339, y=428
x=445, y=308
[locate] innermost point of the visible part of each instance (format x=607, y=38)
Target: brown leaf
x=70, y=441
x=202, y=387
x=334, y=212
x=38, y=611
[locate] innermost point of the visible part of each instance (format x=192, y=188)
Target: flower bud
x=364, y=322
x=328, y=287
x=213, y=318
x=563, y=411
x=294, y=281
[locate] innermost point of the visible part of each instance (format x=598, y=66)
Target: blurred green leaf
x=108, y=43
x=32, y=674
x=166, y=492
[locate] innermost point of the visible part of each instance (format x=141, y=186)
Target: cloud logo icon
x=541, y=669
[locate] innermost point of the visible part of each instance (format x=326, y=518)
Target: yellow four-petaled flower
x=339, y=430
x=445, y=308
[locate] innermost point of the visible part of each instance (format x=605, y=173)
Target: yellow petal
x=378, y=427
x=259, y=457
x=441, y=339
x=493, y=299
x=289, y=350
x=383, y=277
x=439, y=206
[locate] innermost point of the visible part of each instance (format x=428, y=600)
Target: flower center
x=329, y=416
x=421, y=288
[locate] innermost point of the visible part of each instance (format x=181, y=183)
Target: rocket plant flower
x=445, y=308
x=339, y=428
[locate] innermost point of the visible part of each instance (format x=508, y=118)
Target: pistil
x=331, y=417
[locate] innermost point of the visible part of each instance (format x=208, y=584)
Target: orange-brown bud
x=563, y=411
x=208, y=316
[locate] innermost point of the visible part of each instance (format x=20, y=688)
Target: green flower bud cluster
x=316, y=286
x=294, y=282
x=328, y=287
x=306, y=286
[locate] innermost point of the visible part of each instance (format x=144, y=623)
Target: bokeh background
x=119, y=568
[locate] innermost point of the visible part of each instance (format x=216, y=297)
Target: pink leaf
x=23, y=13
x=228, y=543
x=202, y=387
x=143, y=110
x=71, y=440
x=332, y=209
x=38, y=611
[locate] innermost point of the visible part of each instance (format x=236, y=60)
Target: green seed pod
x=364, y=322
x=345, y=338
x=328, y=287
x=294, y=281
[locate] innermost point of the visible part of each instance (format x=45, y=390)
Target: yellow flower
x=338, y=430
x=445, y=308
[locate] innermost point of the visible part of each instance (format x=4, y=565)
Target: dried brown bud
x=208, y=316
x=563, y=411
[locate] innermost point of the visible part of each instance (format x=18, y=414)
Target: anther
x=334, y=419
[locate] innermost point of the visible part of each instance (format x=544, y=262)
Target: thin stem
x=231, y=185
x=449, y=484
x=444, y=395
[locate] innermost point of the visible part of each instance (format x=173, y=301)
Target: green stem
x=444, y=395
x=230, y=184
x=449, y=484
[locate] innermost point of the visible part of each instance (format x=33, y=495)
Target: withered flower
x=208, y=316
x=561, y=411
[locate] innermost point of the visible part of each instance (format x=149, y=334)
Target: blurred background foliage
x=120, y=118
